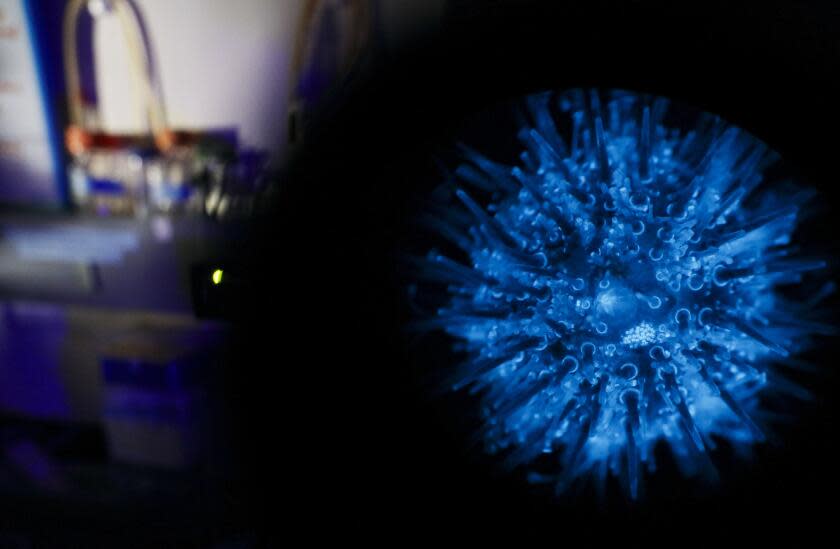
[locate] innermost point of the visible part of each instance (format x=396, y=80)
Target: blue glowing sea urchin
x=620, y=288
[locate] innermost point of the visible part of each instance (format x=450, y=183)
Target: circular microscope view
x=633, y=280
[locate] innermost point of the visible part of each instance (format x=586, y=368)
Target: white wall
x=225, y=62
x=221, y=63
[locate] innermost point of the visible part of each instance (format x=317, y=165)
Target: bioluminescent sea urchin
x=620, y=288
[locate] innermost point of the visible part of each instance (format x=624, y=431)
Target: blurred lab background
x=138, y=139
